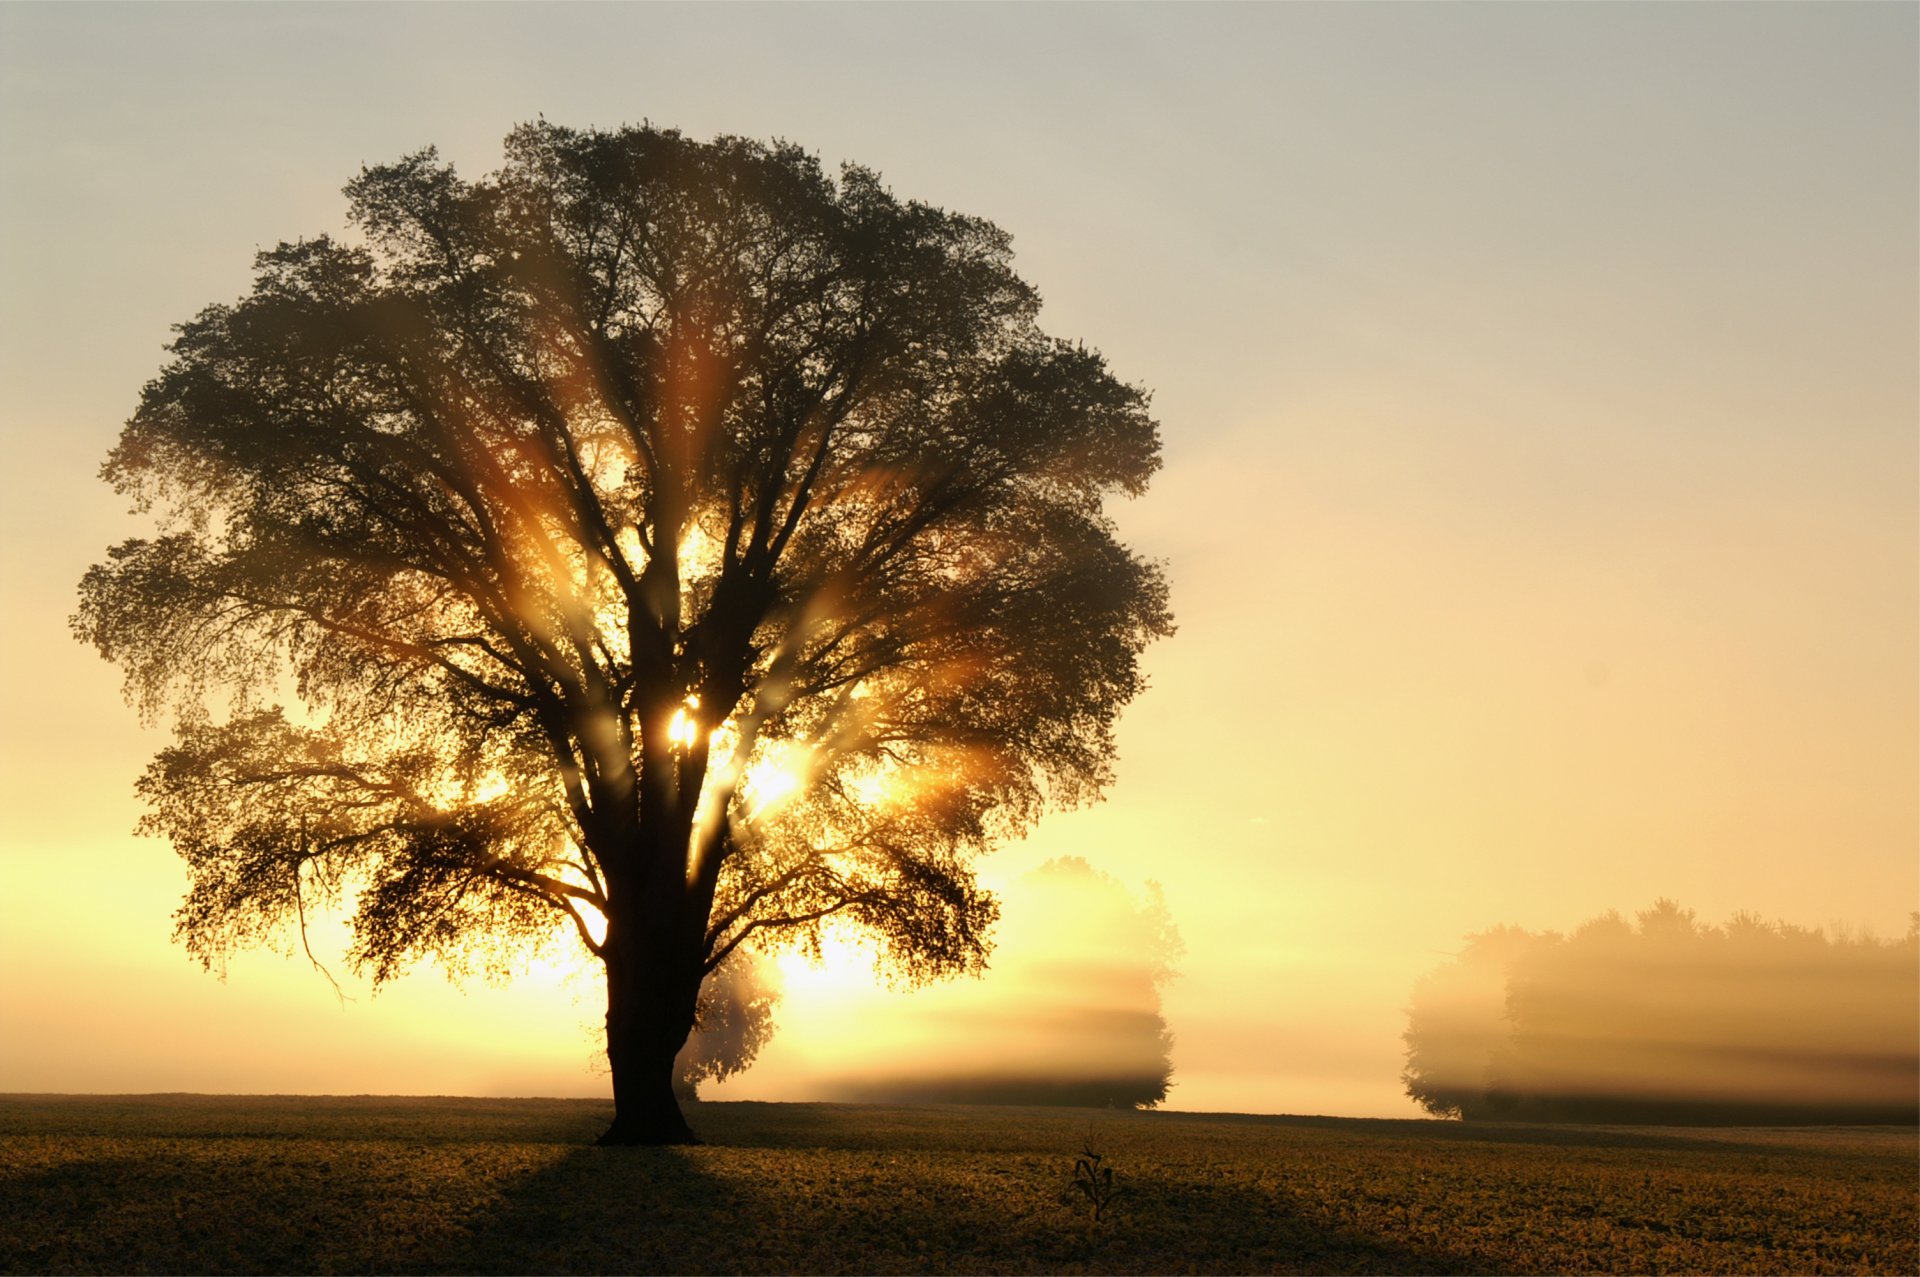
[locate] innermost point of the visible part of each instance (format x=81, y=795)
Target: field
x=274, y=1184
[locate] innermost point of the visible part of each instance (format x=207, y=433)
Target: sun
x=683, y=731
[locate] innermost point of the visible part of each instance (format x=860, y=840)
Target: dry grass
x=264, y=1184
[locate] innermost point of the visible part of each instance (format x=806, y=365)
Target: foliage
x=1458, y=1021
x=103, y=1184
x=1667, y=1019
x=655, y=533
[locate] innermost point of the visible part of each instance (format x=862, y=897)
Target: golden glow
x=776, y=779
x=1565, y=559
x=698, y=555
x=841, y=975
x=1065, y=948
x=596, y=927
x=455, y=792
x=871, y=788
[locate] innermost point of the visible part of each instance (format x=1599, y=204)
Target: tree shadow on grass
x=745, y=1210
x=598, y=1210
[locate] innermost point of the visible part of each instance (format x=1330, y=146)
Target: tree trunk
x=648, y=1021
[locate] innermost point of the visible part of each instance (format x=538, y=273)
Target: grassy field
x=265, y=1184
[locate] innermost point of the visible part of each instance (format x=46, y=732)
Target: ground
x=278, y=1184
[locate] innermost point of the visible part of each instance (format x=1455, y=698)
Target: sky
x=1541, y=500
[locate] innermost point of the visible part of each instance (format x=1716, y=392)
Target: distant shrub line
x=1125, y=1090
x=1671, y=1021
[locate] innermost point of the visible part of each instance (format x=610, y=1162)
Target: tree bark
x=648, y=1021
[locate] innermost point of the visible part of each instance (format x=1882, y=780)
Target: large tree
x=663, y=540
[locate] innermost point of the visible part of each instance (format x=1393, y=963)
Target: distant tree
x=734, y=1020
x=1457, y=1021
x=656, y=536
x=1672, y=1021
x=1075, y=1014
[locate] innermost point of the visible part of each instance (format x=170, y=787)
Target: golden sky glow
x=1538, y=388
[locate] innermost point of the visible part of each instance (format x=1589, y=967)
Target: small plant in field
x=1093, y=1179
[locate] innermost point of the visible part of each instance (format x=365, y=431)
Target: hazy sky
x=1539, y=395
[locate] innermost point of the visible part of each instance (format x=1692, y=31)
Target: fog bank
x=1667, y=1019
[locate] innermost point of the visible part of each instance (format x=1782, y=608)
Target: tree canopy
x=661, y=537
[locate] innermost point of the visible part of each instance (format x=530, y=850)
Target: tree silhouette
x=660, y=537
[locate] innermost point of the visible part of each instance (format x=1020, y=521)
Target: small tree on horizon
x=657, y=539
x=733, y=1022
x=1070, y=1015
